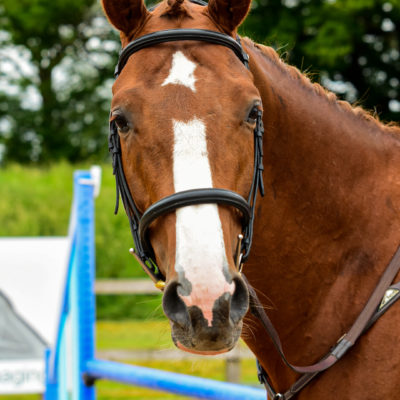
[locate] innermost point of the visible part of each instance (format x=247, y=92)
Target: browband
x=174, y=35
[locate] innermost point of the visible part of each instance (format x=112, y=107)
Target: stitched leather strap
x=189, y=198
x=173, y=35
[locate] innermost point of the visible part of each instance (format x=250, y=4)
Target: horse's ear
x=228, y=14
x=126, y=15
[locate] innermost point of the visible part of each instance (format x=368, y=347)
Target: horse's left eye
x=122, y=124
x=253, y=114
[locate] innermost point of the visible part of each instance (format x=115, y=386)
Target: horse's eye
x=253, y=114
x=122, y=124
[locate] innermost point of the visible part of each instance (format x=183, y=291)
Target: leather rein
x=381, y=299
x=379, y=302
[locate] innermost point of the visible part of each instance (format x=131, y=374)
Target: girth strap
x=371, y=312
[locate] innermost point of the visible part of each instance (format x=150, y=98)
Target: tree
x=354, y=44
x=54, y=105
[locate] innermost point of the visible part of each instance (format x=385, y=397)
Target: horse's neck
x=330, y=219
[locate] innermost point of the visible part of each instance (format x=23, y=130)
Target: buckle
x=239, y=254
x=341, y=347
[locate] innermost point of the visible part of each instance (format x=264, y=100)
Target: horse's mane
x=305, y=81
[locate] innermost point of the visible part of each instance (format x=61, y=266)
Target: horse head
x=185, y=114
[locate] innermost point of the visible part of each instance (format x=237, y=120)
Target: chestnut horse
x=184, y=116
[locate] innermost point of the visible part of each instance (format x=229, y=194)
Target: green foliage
x=54, y=105
x=331, y=35
x=353, y=42
x=35, y=201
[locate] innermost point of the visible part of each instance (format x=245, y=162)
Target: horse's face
x=185, y=113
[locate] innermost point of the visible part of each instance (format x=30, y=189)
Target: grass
x=133, y=335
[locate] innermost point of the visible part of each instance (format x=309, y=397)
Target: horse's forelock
x=175, y=8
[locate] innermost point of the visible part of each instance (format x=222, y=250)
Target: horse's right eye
x=122, y=124
x=253, y=114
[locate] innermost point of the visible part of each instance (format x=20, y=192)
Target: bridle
x=140, y=222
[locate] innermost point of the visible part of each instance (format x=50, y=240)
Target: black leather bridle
x=139, y=223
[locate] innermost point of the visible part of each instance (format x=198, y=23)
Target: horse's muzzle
x=192, y=332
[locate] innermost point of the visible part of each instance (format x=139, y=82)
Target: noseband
x=139, y=223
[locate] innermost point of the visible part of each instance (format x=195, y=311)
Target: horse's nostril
x=174, y=308
x=240, y=300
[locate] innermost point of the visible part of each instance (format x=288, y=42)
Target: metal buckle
x=239, y=254
x=388, y=296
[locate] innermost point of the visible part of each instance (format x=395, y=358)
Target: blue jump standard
x=171, y=382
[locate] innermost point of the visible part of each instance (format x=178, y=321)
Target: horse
x=188, y=114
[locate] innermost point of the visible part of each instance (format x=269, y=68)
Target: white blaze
x=182, y=72
x=200, y=249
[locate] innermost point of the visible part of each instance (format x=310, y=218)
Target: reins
x=380, y=300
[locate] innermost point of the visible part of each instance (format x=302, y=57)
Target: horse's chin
x=200, y=352
x=208, y=341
